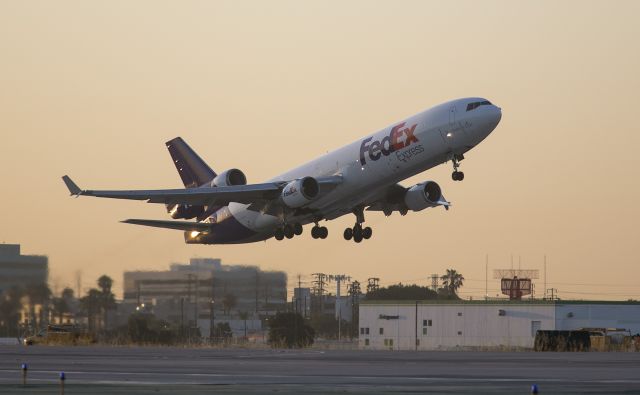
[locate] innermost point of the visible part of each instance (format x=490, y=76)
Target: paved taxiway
x=191, y=371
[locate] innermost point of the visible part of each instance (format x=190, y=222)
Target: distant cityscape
x=206, y=301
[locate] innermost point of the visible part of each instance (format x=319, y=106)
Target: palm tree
x=452, y=281
x=39, y=294
x=107, y=299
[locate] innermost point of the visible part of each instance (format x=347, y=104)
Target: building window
x=424, y=330
x=382, y=331
x=388, y=342
x=366, y=331
x=366, y=342
x=460, y=314
x=362, y=331
x=459, y=333
x=427, y=322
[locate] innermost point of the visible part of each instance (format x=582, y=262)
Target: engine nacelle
x=184, y=211
x=424, y=195
x=229, y=178
x=300, y=192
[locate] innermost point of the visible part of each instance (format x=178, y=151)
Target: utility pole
x=355, y=292
x=338, y=278
x=318, y=289
x=435, y=278
x=196, y=298
x=373, y=284
x=211, y=314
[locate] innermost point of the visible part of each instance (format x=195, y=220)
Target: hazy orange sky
x=94, y=89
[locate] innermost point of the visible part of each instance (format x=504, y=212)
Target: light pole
x=211, y=321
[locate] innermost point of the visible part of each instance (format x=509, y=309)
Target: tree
x=39, y=294
x=451, y=282
x=91, y=304
x=290, y=330
x=402, y=292
x=229, y=301
x=107, y=299
x=10, y=306
x=60, y=308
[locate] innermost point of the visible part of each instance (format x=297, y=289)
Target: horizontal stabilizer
x=73, y=188
x=178, y=225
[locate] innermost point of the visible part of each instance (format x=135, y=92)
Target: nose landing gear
x=457, y=175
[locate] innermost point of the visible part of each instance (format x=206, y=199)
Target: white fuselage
x=369, y=165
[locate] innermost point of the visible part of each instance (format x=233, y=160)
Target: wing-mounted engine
x=228, y=178
x=424, y=195
x=184, y=211
x=300, y=192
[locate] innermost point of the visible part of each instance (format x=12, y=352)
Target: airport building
x=17, y=270
x=446, y=324
x=205, y=290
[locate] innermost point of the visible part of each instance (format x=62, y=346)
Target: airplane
x=361, y=176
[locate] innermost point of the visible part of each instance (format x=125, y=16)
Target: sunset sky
x=94, y=89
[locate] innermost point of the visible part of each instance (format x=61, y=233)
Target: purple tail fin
x=192, y=169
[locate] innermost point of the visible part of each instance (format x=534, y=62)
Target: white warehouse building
x=450, y=324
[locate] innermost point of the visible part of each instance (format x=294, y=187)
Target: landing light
x=449, y=134
x=195, y=233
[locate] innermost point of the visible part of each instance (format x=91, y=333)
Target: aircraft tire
x=314, y=232
x=297, y=229
x=357, y=233
x=348, y=234
x=366, y=233
x=324, y=232
x=279, y=235
x=288, y=231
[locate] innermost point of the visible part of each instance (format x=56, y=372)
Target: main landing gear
x=288, y=231
x=457, y=175
x=358, y=233
x=319, y=232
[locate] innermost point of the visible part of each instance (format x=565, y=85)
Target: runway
x=143, y=370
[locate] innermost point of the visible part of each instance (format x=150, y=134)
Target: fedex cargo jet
x=362, y=176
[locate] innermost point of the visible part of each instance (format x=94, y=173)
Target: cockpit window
x=474, y=105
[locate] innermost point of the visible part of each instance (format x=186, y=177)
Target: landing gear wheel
x=314, y=232
x=348, y=234
x=279, y=235
x=288, y=231
x=297, y=229
x=357, y=233
x=366, y=233
x=457, y=175
x=324, y=232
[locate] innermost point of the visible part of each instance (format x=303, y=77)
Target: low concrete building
x=435, y=324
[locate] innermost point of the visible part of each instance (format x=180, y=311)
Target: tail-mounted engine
x=229, y=178
x=300, y=192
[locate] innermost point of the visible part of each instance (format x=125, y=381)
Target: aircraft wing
x=179, y=225
x=247, y=194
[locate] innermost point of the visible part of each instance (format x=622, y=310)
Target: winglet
x=73, y=188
